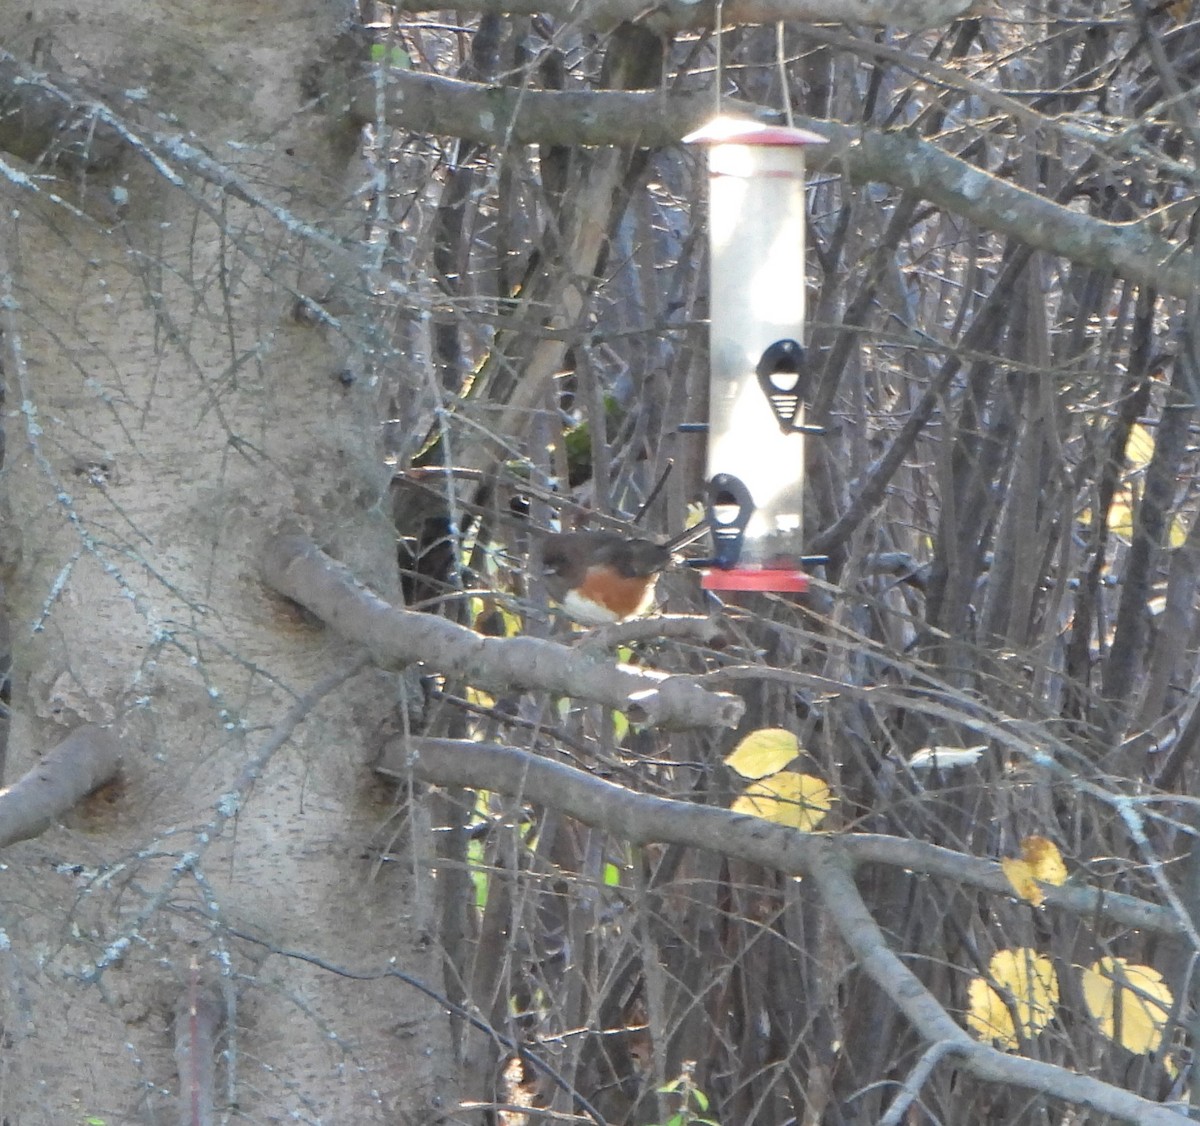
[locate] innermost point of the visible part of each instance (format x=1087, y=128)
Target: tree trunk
x=169, y=413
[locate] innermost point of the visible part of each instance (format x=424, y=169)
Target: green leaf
x=479, y=877
x=391, y=55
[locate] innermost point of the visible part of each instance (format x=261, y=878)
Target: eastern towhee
x=603, y=577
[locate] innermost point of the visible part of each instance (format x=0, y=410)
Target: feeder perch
x=758, y=380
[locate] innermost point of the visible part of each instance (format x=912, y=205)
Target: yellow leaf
x=1139, y=448
x=1129, y=1001
x=1177, y=533
x=763, y=752
x=479, y=699
x=514, y=624
x=988, y=1016
x=1029, y=980
x=1120, y=513
x=797, y=800
x=1040, y=860
x=1020, y=875
x=1044, y=860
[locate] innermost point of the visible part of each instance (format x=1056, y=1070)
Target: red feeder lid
x=747, y=131
x=778, y=581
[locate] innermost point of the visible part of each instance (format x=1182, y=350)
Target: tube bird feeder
x=757, y=376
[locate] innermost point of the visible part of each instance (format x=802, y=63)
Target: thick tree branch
x=295, y=567
x=1129, y=250
x=679, y=15
x=503, y=115
x=829, y=860
x=644, y=819
x=508, y=115
x=832, y=873
x=650, y=119
x=85, y=760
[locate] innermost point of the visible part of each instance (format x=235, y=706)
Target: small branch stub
x=84, y=761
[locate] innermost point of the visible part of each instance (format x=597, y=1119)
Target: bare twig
x=535, y=1061
x=917, y=1078
x=197, y=1020
x=227, y=808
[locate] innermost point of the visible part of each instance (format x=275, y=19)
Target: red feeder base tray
x=781, y=582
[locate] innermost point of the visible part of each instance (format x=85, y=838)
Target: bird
x=599, y=578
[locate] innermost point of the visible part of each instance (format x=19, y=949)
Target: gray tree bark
x=169, y=412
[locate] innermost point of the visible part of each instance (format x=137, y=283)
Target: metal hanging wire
x=720, y=72
x=781, y=62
